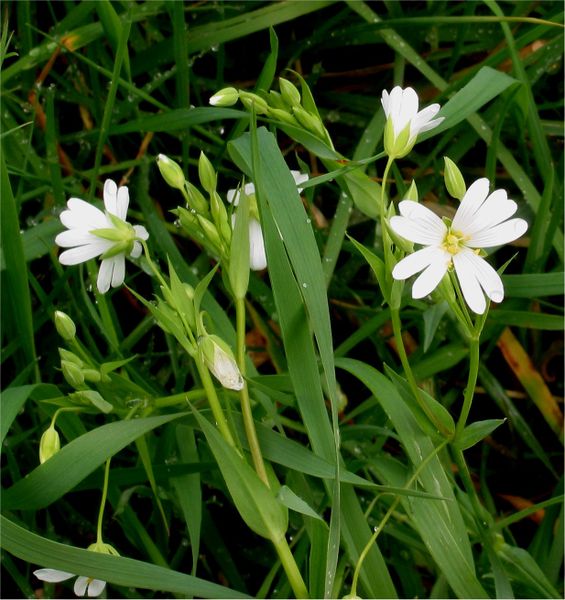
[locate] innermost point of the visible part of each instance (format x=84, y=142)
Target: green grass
x=92, y=90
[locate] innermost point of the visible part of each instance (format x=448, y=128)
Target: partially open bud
x=171, y=172
x=226, y=97
x=49, y=444
x=219, y=359
x=454, y=181
x=64, y=325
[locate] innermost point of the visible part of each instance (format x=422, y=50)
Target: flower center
x=454, y=241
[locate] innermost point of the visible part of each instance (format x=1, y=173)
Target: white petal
x=52, y=575
x=408, y=110
x=81, y=214
x=122, y=202
x=429, y=279
x=299, y=178
x=385, y=101
x=75, y=237
x=119, y=272
x=141, y=232
x=111, y=196
x=418, y=224
x=105, y=275
x=416, y=262
x=80, y=585
x=136, y=251
x=431, y=124
x=233, y=197
x=422, y=119
x=494, y=210
x=499, y=234
x=257, y=256
x=488, y=278
x=467, y=274
x=249, y=189
x=472, y=201
x=96, y=587
x=83, y=253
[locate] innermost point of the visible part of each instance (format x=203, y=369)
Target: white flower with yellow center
x=404, y=121
x=257, y=255
x=94, y=587
x=481, y=221
x=92, y=232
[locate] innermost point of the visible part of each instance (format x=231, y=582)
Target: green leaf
x=474, y=433
x=527, y=318
x=377, y=265
x=239, y=250
x=432, y=317
x=255, y=502
x=114, y=569
x=57, y=476
x=534, y=285
x=291, y=500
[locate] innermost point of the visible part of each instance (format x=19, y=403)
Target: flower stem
x=214, y=401
x=103, y=502
x=384, y=231
x=471, y=383
x=290, y=567
x=246, y=412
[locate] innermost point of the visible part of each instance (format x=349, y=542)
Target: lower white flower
x=481, y=221
x=219, y=358
x=257, y=255
x=93, y=587
x=91, y=233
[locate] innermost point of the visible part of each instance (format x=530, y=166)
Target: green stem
x=290, y=567
x=213, y=400
x=247, y=414
x=471, y=383
x=384, y=230
x=103, y=502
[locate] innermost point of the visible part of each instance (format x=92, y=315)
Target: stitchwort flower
x=257, y=255
x=94, y=587
x=92, y=232
x=482, y=221
x=404, y=122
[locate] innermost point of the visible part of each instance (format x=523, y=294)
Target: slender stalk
x=246, y=412
x=471, y=383
x=103, y=502
x=290, y=567
x=214, y=401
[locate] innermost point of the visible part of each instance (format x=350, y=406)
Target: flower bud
x=309, y=121
x=454, y=181
x=196, y=200
x=220, y=360
x=206, y=173
x=91, y=375
x=225, y=97
x=210, y=232
x=289, y=92
x=282, y=115
x=64, y=325
x=253, y=100
x=72, y=373
x=171, y=172
x=220, y=216
x=49, y=444
x=70, y=357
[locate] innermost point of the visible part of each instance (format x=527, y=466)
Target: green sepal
x=239, y=250
x=86, y=397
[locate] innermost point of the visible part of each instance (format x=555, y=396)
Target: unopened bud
x=49, y=444
x=226, y=97
x=219, y=359
x=289, y=92
x=308, y=121
x=91, y=375
x=64, y=325
x=206, y=173
x=171, y=172
x=72, y=373
x=70, y=357
x=253, y=100
x=454, y=181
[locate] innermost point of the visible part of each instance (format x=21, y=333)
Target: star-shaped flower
x=94, y=587
x=91, y=233
x=404, y=122
x=481, y=221
x=257, y=255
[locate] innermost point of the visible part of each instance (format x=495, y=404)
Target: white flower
x=404, y=122
x=481, y=221
x=219, y=359
x=94, y=587
x=93, y=233
x=257, y=255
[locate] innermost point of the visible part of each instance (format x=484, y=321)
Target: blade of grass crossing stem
x=181, y=62
x=189, y=491
x=15, y=278
x=114, y=569
x=268, y=152
x=51, y=147
x=74, y=461
x=305, y=375
x=439, y=523
x=401, y=46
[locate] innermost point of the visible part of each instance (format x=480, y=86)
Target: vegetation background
x=92, y=90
